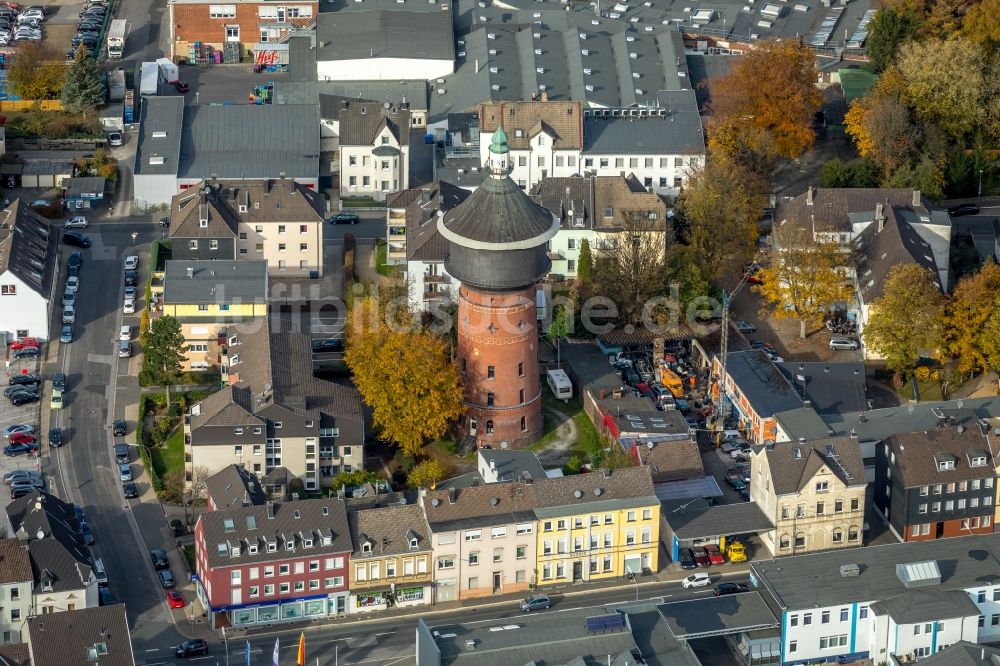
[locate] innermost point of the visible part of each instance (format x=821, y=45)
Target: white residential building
x=28, y=272
x=15, y=589
x=374, y=149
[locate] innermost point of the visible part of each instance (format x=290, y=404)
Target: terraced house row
x=264, y=562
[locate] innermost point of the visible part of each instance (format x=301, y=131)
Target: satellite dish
x=578, y=494
x=435, y=502
x=494, y=501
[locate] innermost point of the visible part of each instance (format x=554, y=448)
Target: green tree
x=426, y=474
x=925, y=175
x=353, y=479
x=855, y=173
x=908, y=319
x=561, y=326
x=889, y=29
x=82, y=90
x=629, y=271
x=164, y=353
x=585, y=264
x=36, y=72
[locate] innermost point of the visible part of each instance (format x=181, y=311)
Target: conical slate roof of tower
x=499, y=214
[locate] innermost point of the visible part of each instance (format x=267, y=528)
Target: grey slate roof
x=461, y=508
x=248, y=141
x=498, y=212
x=677, y=132
x=883, y=246
x=917, y=454
x=362, y=121
x=760, y=381
x=28, y=247
x=388, y=530
x=915, y=606
x=714, y=616
x=512, y=464
x=386, y=33
x=312, y=91
x=794, y=464
x=802, y=422
x=40, y=516
x=214, y=281
x=812, y=580
x=292, y=522
x=829, y=387
x=701, y=520
x=603, y=490
x=66, y=637
x=159, y=115
x=227, y=203
x=233, y=486
x=53, y=565
x=964, y=653
x=836, y=208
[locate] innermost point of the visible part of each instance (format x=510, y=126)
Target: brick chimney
x=809, y=196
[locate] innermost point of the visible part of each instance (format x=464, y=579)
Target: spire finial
x=499, y=145
x=499, y=164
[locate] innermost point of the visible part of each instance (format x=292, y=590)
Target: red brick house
x=273, y=563
x=247, y=22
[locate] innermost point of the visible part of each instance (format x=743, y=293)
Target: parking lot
x=11, y=415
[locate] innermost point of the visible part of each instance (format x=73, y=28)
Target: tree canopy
x=972, y=321
x=629, y=270
x=426, y=474
x=36, y=71
x=908, y=319
x=82, y=90
x=163, y=353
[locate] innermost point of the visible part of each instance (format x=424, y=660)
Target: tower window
x=522, y=395
x=489, y=399
x=490, y=374
x=520, y=369
x=489, y=427
x=463, y=366
x=524, y=424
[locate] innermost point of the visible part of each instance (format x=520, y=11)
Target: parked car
x=59, y=381
x=125, y=472
x=700, y=557
x=69, y=298
x=56, y=437
x=131, y=262
x=175, y=599
x=29, y=483
x=128, y=307
x=714, y=554
x=27, y=352
x=159, y=559
x=22, y=343
x=124, y=349
x=730, y=588
x=536, y=602
x=25, y=398
x=686, y=559
x=76, y=222
x=744, y=326
x=181, y=86
x=18, y=388
x=75, y=259
x=118, y=428
x=129, y=292
x=345, y=218
x=69, y=315
x=22, y=438
x=115, y=139
x=166, y=579
x=327, y=345
x=964, y=209
x=700, y=579
x=76, y=239
x=21, y=491
x=12, y=450
x=130, y=490
x=12, y=475
x=72, y=284
x=125, y=333
x=88, y=536
x=121, y=453
x=844, y=343
x=56, y=401
x=17, y=429
x=25, y=380
x=190, y=648
x=131, y=278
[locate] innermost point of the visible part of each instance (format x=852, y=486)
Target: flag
x=248, y=653
x=302, y=650
x=274, y=659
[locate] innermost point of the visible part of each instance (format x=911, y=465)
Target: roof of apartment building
x=311, y=91
x=829, y=387
x=941, y=455
x=227, y=203
x=158, y=148
x=362, y=121
x=209, y=281
x=803, y=422
x=964, y=653
x=423, y=240
x=233, y=486
x=388, y=530
x=597, y=202
x=562, y=121
x=16, y=654
x=672, y=460
x=602, y=490
x=672, y=130
x=321, y=522
x=250, y=141
x=887, y=242
x=836, y=209
x=84, y=636
x=28, y=247
x=764, y=386
x=55, y=568
x=794, y=464
x=512, y=464
x=15, y=565
x=480, y=506
x=39, y=516
x=915, y=606
x=877, y=424
x=273, y=371
x=884, y=571
x=386, y=32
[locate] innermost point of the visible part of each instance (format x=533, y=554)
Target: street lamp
x=979, y=197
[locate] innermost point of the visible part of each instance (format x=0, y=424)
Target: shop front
x=293, y=610
x=400, y=596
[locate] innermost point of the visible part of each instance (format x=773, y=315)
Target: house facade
x=274, y=415
x=272, y=563
x=936, y=483
x=28, y=271
x=483, y=540
x=756, y=390
x=374, y=149
x=16, y=583
x=813, y=492
x=391, y=564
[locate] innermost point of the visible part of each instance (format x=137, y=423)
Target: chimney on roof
x=916, y=199
x=545, y=95
x=451, y=495
x=190, y=271
x=809, y=196
x=270, y=510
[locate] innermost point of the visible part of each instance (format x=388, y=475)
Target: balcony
x=430, y=278
x=443, y=295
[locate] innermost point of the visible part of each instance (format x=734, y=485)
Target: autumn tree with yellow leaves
x=972, y=321
x=403, y=372
x=766, y=102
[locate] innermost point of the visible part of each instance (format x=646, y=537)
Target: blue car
x=19, y=449
x=66, y=335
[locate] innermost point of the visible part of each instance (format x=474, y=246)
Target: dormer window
x=223, y=549
x=234, y=340
x=290, y=544
x=945, y=465
x=234, y=551
x=253, y=549
x=237, y=431
x=366, y=547
x=272, y=547
x=228, y=525
x=307, y=543
x=327, y=541
x=413, y=544
x=234, y=359
x=203, y=222
x=979, y=461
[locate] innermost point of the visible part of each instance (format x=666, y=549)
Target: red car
x=24, y=343
x=700, y=557
x=714, y=555
x=174, y=599
x=22, y=438
x=751, y=274
x=181, y=86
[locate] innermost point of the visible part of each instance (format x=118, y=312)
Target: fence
x=31, y=105
x=76, y=145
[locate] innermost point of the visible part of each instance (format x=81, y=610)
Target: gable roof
x=673, y=460
x=512, y=464
x=918, y=454
x=423, y=240
x=69, y=636
x=388, y=530
x=794, y=464
x=27, y=247
x=233, y=486
x=227, y=203
x=522, y=121
x=41, y=516
x=830, y=207
x=571, y=199
x=603, y=490
x=190, y=207
x=55, y=569
x=282, y=523
x=361, y=122
x=887, y=242
x=964, y=653
x=479, y=506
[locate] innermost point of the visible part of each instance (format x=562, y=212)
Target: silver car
x=844, y=343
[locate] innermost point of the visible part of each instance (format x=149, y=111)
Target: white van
x=100, y=573
x=559, y=382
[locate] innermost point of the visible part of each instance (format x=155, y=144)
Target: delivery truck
x=116, y=85
x=168, y=70
x=149, y=78
x=116, y=38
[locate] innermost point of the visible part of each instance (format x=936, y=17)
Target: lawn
x=929, y=389
x=169, y=457
x=381, y=259
x=587, y=438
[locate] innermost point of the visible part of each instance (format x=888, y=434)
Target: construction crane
x=727, y=298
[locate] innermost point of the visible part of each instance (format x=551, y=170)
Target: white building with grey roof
x=28, y=270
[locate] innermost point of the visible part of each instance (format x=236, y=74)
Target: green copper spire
x=499, y=145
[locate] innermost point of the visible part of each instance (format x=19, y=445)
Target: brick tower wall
x=500, y=330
